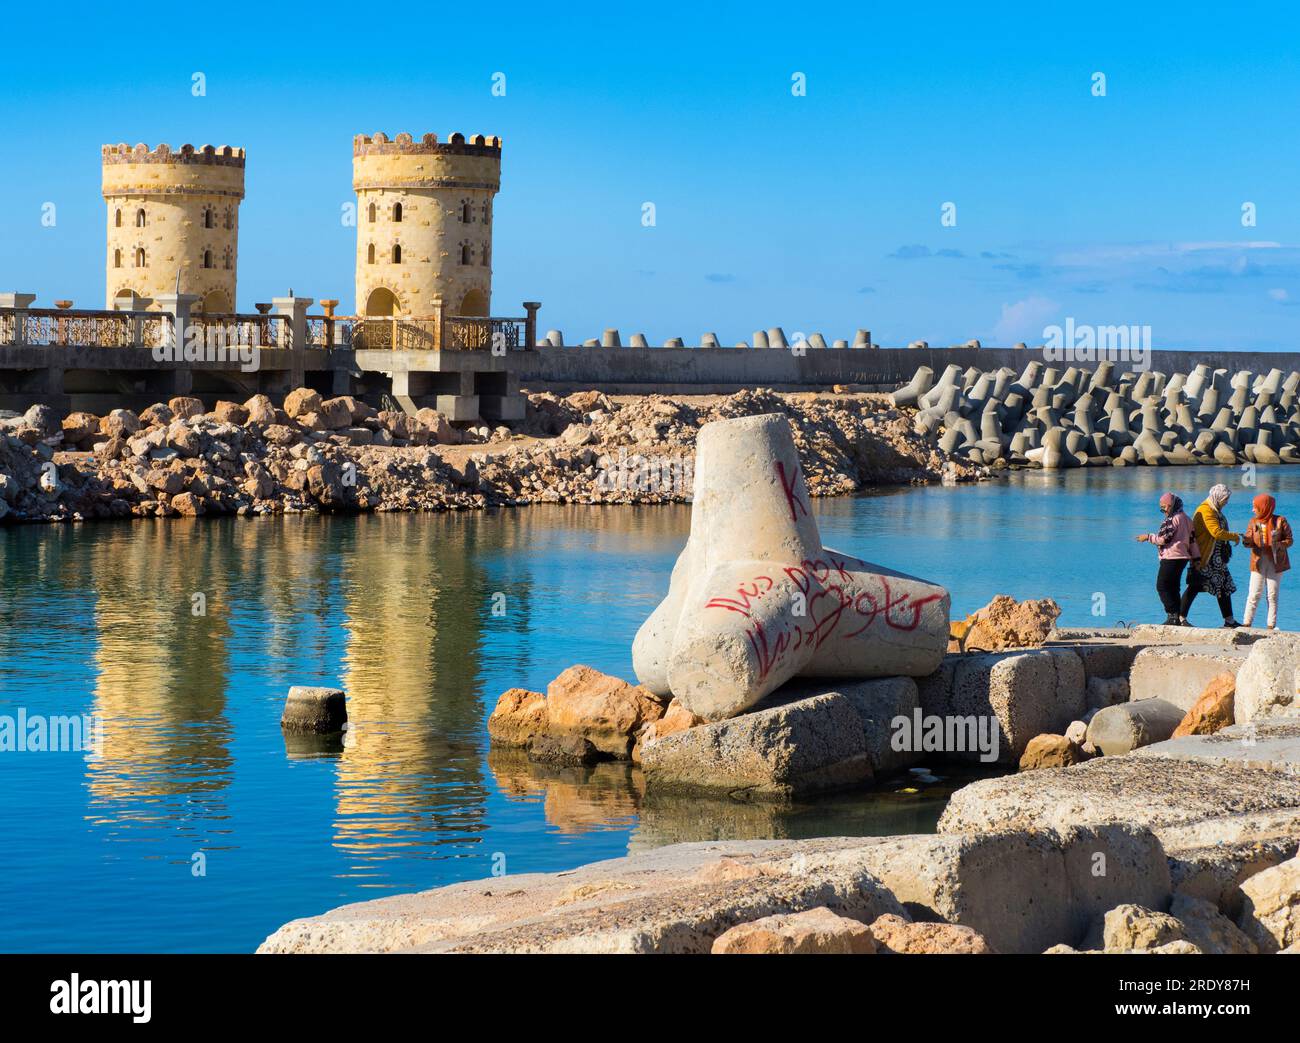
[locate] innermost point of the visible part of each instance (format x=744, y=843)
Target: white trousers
x=1265, y=578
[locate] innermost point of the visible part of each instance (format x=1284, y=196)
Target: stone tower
x=424, y=223
x=172, y=212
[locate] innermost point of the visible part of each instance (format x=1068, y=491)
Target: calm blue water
x=102, y=853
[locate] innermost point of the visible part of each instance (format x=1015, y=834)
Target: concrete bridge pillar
x=178, y=306
x=530, y=323
x=294, y=309
x=19, y=302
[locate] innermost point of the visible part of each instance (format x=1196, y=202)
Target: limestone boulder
x=1213, y=711
x=812, y=931
x=336, y=413
x=120, y=423
x=230, y=413
x=519, y=717
x=563, y=750
x=1051, y=751
x=260, y=410
x=1006, y=623
x=1208, y=929
x=604, y=709
x=787, y=747
x=183, y=407
x=676, y=719
x=896, y=936
x=1266, y=683
x=79, y=428
x=1121, y=729
x=301, y=401
x=1270, y=912
x=1130, y=926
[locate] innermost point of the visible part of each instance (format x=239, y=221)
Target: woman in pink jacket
x=1177, y=547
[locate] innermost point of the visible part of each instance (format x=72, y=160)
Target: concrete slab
x=1272, y=744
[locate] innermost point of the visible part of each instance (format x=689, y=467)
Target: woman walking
x=1176, y=548
x=1268, y=536
x=1210, y=572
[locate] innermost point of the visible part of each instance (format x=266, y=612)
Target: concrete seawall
x=726, y=370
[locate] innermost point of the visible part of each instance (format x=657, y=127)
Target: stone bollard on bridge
x=755, y=599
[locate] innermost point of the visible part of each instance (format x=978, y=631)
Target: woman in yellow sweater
x=1210, y=572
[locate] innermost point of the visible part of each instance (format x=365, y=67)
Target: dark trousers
x=1194, y=587
x=1167, y=581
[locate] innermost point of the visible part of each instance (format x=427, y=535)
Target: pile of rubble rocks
x=341, y=454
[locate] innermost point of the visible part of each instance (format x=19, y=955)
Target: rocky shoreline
x=314, y=454
x=1184, y=846
x=1156, y=807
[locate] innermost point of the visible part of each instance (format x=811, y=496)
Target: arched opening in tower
x=215, y=302
x=382, y=301
x=474, y=303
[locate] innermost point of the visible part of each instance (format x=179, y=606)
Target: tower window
x=370, y=254
x=487, y=217
x=139, y=218
x=467, y=213
x=117, y=258
x=117, y=219
x=207, y=258
x=230, y=218
x=207, y=217
x=466, y=254
x=397, y=253
x=140, y=261
x=486, y=249
x=371, y=213
x=228, y=258
x=397, y=212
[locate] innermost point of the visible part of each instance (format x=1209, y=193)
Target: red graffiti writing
x=836, y=606
x=792, y=499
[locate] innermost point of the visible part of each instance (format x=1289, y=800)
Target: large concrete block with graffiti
x=755, y=599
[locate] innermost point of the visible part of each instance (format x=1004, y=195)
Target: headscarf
x=1218, y=496
x=1171, y=503
x=1263, y=522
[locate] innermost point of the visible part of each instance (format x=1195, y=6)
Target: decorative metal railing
x=266, y=331
x=81, y=328
x=470, y=333
x=44, y=326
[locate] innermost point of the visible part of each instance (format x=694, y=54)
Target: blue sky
x=820, y=212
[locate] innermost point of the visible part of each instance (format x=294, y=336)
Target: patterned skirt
x=1215, y=577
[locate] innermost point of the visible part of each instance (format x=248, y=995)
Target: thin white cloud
x=1024, y=320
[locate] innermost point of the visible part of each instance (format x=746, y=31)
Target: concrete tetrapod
x=755, y=599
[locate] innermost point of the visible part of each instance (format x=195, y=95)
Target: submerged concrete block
x=771, y=753
x=312, y=709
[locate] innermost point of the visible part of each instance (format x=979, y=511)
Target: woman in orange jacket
x=1268, y=536
x=1210, y=573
